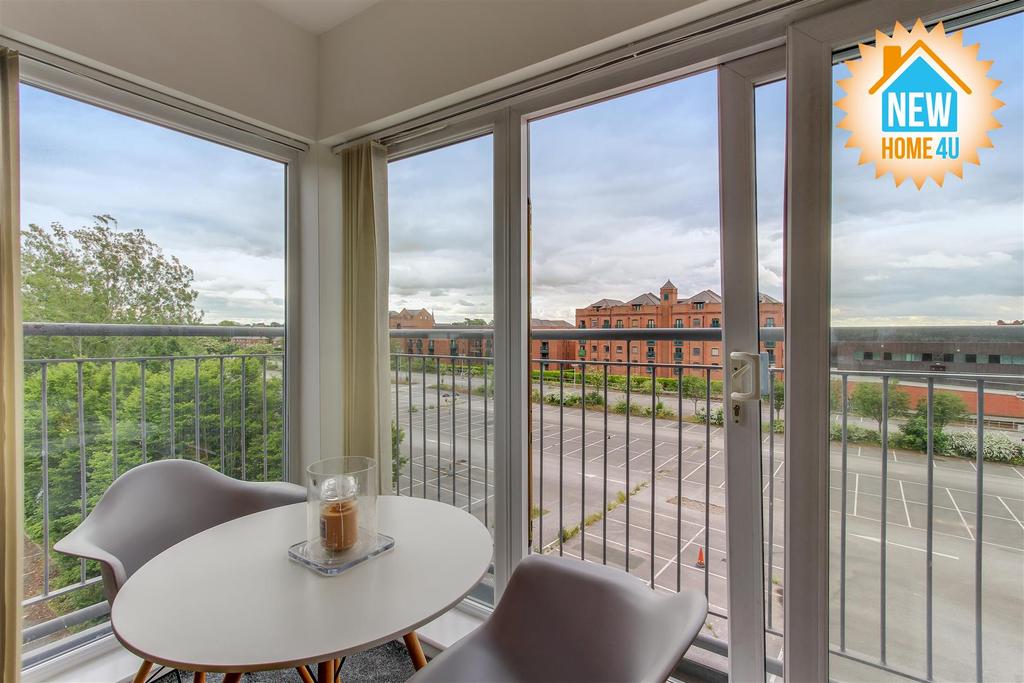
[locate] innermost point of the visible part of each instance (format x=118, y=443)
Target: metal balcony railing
x=626, y=470
x=88, y=420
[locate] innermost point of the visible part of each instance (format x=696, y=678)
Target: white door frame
x=737, y=183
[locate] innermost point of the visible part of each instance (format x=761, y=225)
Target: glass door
x=644, y=355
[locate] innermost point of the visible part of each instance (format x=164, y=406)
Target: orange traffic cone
x=700, y=556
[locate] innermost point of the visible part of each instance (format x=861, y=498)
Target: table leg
x=304, y=674
x=199, y=677
x=325, y=672
x=412, y=644
x=232, y=678
x=144, y=670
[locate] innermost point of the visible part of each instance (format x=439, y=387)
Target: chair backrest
x=565, y=620
x=153, y=506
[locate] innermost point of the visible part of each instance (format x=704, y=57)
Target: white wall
x=407, y=57
x=236, y=56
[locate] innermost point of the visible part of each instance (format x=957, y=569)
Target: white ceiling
x=317, y=16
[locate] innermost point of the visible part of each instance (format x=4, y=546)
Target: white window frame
x=64, y=77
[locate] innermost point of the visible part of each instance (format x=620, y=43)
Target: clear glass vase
x=341, y=509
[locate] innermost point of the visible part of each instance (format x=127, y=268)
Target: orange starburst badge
x=919, y=104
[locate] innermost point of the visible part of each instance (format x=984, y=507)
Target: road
x=676, y=474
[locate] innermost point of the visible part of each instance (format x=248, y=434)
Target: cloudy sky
x=625, y=195
x=219, y=210
x=624, y=192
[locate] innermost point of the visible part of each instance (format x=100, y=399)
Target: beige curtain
x=366, y=423
x=10, y=372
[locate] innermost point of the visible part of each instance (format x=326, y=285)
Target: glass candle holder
x=341, y=508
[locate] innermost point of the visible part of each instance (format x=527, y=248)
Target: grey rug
x=387, y=663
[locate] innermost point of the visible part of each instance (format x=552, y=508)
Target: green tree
x=866, y=401
x=100, y=274
x=947, y=407
x=695, y=389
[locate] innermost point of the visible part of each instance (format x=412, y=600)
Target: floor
x=387, y=663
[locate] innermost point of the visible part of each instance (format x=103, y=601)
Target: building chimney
x=890, y=59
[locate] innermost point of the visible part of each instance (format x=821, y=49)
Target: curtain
x=10, y=372
x=366, y=420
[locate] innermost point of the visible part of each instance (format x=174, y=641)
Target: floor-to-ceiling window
x=927, y=301
x=153, y=270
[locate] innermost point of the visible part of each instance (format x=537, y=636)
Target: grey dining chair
x=570, y=621
x=154, y=506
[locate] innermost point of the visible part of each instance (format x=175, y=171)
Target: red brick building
x=666, y=309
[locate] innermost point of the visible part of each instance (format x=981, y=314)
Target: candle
x=339, y=524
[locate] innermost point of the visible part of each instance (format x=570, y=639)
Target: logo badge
x=919, y=104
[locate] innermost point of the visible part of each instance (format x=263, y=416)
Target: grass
x=536, y=511
x=568, y=533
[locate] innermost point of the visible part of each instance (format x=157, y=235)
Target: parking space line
x=1010, y=511
x=856, y=492
x=908, y=547
x=964, y=521
x=906, y=510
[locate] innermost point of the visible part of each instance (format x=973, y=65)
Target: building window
x=971, y=358
x=947, y=358
x=769, y=345
x=593, y=322
x=994, y=358
x=634, y=322
x=583, y=324
x=769, y=322
x=886, y=355
x=715, y=322
x=618, y=324
x=634, y=349
x=606, y=347
x=696, y=322
x=698, y=306
x=594, y=348
x=636, y=307
x=430, y=347
x=606, y=324
x=618, y=349
x=927, y=357
x=678, y=343
x=583, y=351
x=715, y=353
x=650, y=322
x=678, y=322
x=696, y=350
x=869, y=355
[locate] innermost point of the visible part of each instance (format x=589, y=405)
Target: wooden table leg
x=304, y=674
x=412, y=644
x=232, y=678
x=325, y=672
x=199, y=677
x=144, y=670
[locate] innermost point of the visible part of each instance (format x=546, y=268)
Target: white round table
x=230, y=600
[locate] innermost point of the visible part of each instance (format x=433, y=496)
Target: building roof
x=541, y=324
x=706, y=296
x=668, y=285
x=606, y=303
x=645, y=299
x=765, y=299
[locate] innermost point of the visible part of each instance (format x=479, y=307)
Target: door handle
x=745, y=373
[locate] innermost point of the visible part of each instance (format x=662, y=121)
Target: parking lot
x=656, y=515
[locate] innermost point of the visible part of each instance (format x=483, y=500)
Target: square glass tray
x=333, y=564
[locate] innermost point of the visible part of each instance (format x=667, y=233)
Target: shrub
x=998, y=447
x=854, y=434
x=717, y=417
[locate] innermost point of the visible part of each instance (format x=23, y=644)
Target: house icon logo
x=918, y=104
x=919, y=91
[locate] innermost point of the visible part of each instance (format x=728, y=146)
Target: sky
x=221, y=211
x=625, y=195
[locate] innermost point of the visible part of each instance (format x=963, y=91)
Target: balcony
x=905, y=545
x=88, y=420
